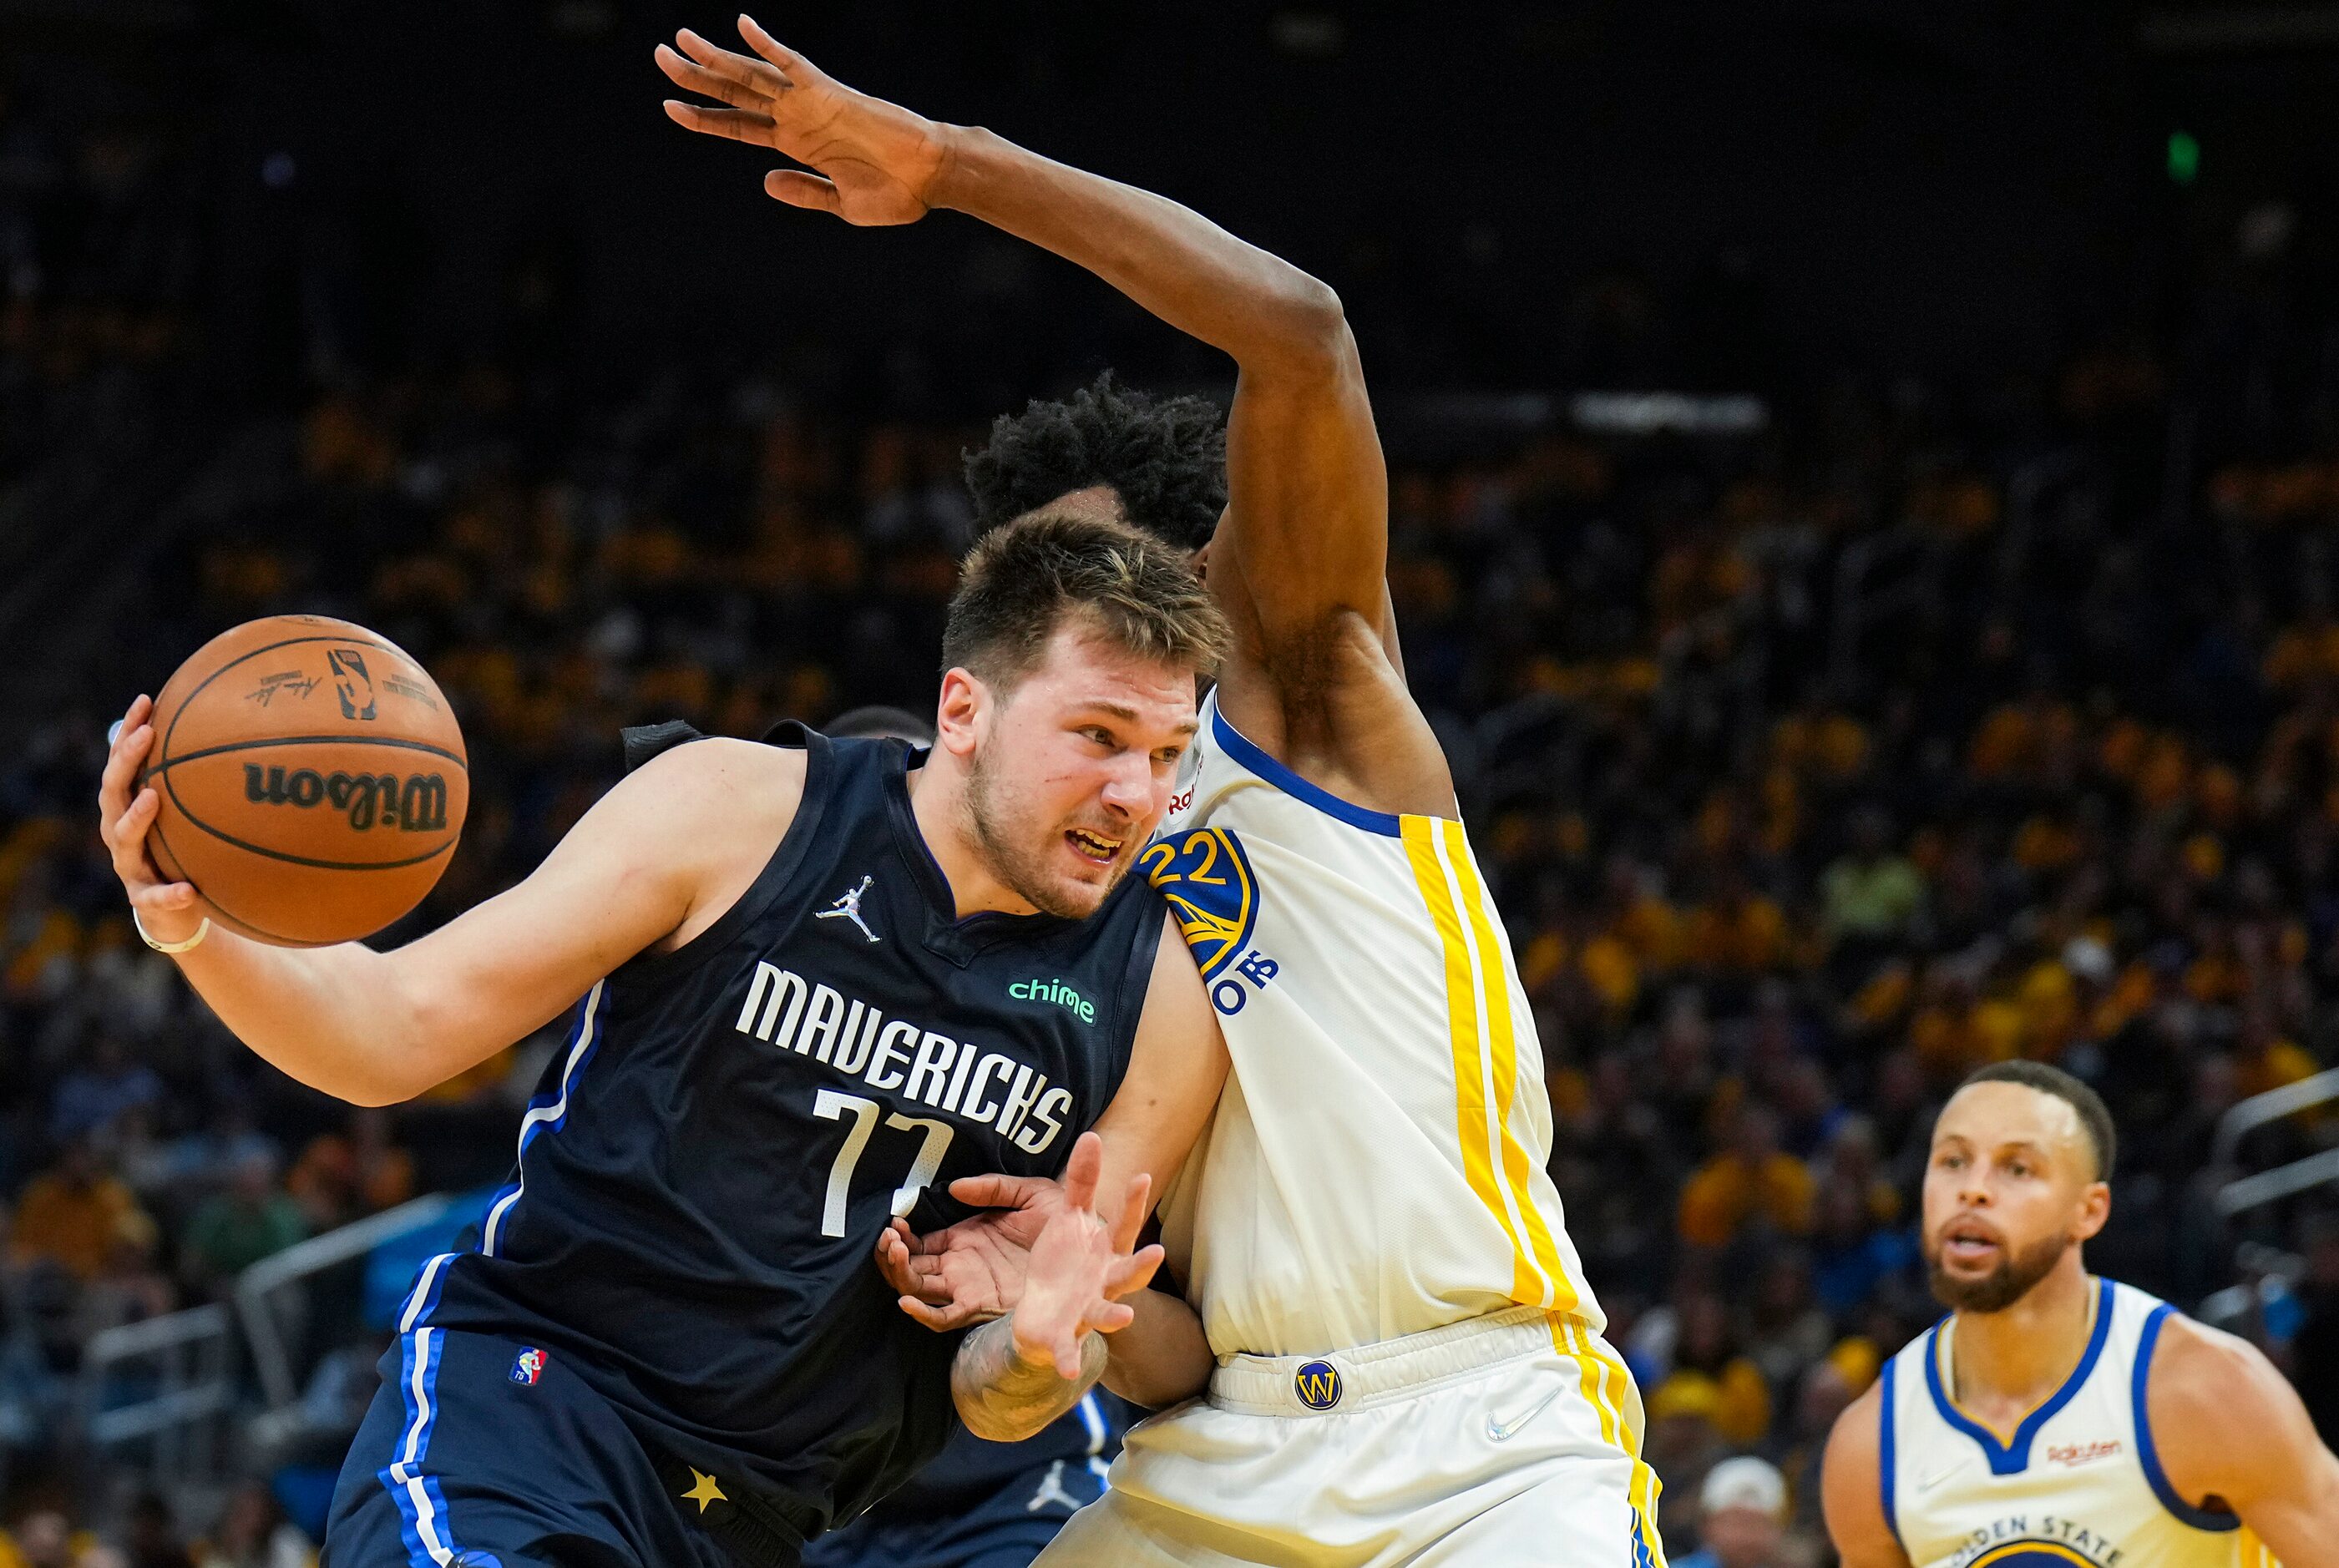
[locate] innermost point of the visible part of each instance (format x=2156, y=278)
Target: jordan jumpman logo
x=848, y=907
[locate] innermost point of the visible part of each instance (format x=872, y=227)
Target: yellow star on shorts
x=705, y=1491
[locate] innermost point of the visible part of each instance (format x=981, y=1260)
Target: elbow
x=1311, y=325
x=376, y=1075
x=1315, y=310
x=370, y=1094
x=1156, y=1392
x=369, y=1085
x=990, y=1425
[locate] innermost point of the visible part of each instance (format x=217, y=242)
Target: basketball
x=312, y=778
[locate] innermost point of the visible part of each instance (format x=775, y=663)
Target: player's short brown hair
x=2095, y=1116
x=1021, y=581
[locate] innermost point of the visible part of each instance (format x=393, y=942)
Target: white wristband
x=202, y=931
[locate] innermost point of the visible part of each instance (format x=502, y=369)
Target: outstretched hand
x=973, y=1271
x=874, y=162
x=1045, y=1254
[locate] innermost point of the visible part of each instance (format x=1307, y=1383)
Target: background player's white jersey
x=2079, y=1486
x=1375, y=1166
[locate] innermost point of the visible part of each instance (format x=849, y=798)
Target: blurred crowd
x=1783, y=859
x=1816, y=763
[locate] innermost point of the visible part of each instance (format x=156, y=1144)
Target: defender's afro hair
x=1166, y=458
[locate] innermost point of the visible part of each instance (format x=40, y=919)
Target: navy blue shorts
x=1005, y=1530
x=479, y=1451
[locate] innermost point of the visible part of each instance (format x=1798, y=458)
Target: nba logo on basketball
x=350, y=682
x=528, y=1367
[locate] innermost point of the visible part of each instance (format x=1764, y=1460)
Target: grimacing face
x=2009, y=1188
x=1073, y=768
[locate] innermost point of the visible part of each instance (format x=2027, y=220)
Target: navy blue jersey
x=986, y=1505
x=970, y=1469
x=704, y=1170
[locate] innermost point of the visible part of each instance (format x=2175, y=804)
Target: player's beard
x=1017, y=849
x=2002, y=1287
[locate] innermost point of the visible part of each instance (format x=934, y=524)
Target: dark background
x=1966, y=190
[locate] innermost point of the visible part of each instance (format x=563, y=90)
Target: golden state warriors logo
x=1206, y=878
x=2032, y=1554
x=1317, y=1385
x=2036, y=1542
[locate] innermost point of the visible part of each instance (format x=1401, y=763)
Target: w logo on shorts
x=1317, y=1385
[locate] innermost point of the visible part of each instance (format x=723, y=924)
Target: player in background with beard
x=2055, y=1417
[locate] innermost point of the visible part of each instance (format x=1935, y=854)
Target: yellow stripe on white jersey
x=1376, y=1167
x=1485, y=1058
x=1608, y=1387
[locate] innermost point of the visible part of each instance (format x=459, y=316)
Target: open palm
x=1041, y=1250
x=1082, y=1266
x=874, y=161
x=974, y=1270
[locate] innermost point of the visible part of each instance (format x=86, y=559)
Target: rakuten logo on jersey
x=986, y=1088
x=2082, y=1453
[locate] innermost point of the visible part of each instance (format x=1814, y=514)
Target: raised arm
x=654, y=861
x=2227, y=1425
x=1300, y=560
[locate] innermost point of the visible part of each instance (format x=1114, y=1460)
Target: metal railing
x=2244, y=1193
x=180, y=1368
x=2268, y=1275
x=259, y=1287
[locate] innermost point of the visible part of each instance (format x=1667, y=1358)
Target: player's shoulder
x=1856, y=1441
x=715, y=793
x=2203, y=1378
x=725, y=771
x=2220, y=1416
x=1337, y=727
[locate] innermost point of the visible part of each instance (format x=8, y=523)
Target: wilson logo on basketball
x=416, y=804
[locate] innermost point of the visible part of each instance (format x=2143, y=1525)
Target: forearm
x=1160, y=1358
x=334, y=1017
x=1004, y=1398
x=1171, y=261
x=2300, y=1522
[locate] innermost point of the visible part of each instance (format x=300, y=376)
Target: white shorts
x=1509, y=1439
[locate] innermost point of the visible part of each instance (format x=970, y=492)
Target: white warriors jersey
x=2077, y=1485
x=1375, y=1166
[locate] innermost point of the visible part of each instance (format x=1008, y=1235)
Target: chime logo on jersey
x=1207, y=878
x=528, y=1367
x=1317, y=1385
